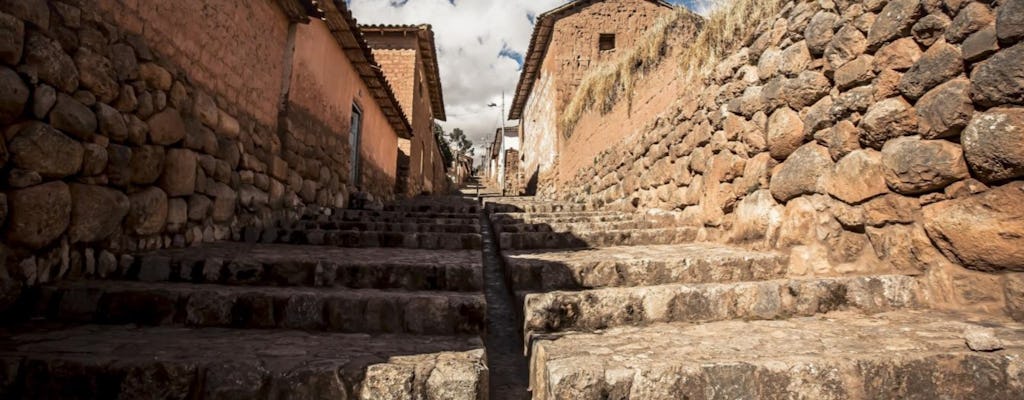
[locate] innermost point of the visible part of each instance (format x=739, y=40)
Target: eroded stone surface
x=905, y=353
x=255, y=363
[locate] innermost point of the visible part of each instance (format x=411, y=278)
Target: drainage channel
x=509, y=379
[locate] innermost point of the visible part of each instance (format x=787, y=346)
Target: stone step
x=390, y=216
x=574, y=226
x=109, y=362
x=536, y=207
x=368, y=239
x=517, y=218
x=473, y=227
x=639, y=266
x=583, y=239
x=311, y=266
x=901, y=355
x=335, y=310
x=434, y=208
x=591, y=310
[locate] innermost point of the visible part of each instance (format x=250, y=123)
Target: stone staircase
x=622, y=305
x=357, y=304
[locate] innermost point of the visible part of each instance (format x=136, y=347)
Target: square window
x=606, y=42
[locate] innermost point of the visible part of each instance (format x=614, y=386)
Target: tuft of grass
x=723, y=32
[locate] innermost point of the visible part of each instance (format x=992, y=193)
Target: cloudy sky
x=480, y=48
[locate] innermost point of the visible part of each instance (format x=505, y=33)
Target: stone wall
x=862, y=135
x=514, y=185
x=113, y=146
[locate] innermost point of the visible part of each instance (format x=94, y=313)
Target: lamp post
x=501, y=151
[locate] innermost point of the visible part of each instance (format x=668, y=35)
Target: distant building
x=567, y=42
x=505, y=142
x=408, y=56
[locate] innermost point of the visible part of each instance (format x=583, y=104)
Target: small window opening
x=606, y=42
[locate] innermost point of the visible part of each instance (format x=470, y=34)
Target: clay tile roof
x=539, y=47
x=428, y=50
x=345, y=30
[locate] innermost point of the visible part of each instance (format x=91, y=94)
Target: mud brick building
x=408, y=56
x=568, y=42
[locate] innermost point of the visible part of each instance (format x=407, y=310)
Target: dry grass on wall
x=719, y=34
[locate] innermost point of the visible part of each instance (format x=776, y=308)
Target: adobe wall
x=598, y=130
x=324, y=86
x=400, y=58
x=861, y=136
x=112, y=146
x=573, y=52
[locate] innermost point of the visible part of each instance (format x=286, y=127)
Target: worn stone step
x=473, y=227
x=582, y=239
x=574, y=226
x=639, y=266
x=109, y=362
x=540, y=207
x=336, y=310
x=523, y=218
x=597, y=309
x=901, y=355
x=314, y=266
x=390, y=216
x=434, y=208
x=368, y=239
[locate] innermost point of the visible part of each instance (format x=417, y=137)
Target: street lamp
x=501, y=151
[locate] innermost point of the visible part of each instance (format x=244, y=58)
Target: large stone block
x=166, y=127
x=35, y=12
x=12, y=39
x=846, y=45
x=802, y=173
x=1010, y=21
x=980, y=45
x=73, y=117
x=119, y=165
x=970, y=19
x=982, y=232
x=179, y=177
x=46, y=59
x=148, y=212
x=820, y=30
x=857, y=177
x=885, y=120
x=946, y=110
x=899, y=55
x=895, y=20
x=785, y=133
x=1000, y=79
x=97, y=74
x=147, y=164
x=224, y=202
x=940, y=63
x=94, y=159
x=40, y=148
x=914, y=166
x=13, y=95
x=38, y=215
x=994, y=144
x=96, y=212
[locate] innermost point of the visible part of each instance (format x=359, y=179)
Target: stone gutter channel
x=509, y=372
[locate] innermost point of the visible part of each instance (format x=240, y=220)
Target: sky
x=480, y=51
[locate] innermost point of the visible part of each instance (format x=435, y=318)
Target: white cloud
x=471, y=36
